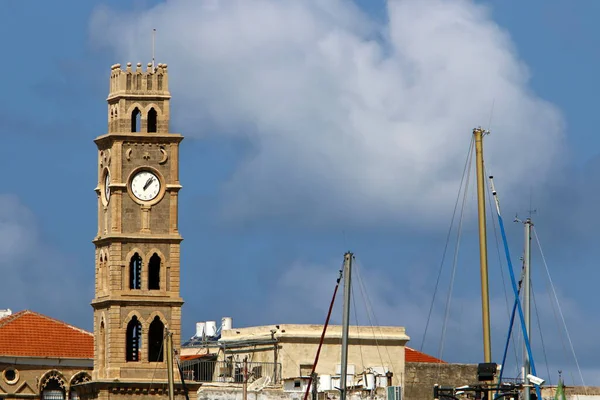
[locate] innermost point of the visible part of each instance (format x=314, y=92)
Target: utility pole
x=245, y=389
x=346, y=322
x=485, y=299
x=169, y=351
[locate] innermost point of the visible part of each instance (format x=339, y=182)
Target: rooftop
x=30, y=334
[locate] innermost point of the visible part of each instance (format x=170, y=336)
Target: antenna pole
x=346, y=323
x=485, y=299
x=153, y=45
x=527, y=304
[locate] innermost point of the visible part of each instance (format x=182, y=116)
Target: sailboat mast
x=346, y=323
x=485, y=300
x=527, y=305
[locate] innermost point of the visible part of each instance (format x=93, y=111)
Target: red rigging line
x=310, y=379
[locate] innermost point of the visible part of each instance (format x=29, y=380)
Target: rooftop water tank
x=200, y=328
x=226, y=323
x=211, y=328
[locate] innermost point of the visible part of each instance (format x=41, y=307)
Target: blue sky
x=311, y=130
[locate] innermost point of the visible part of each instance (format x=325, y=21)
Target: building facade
x=42, y=358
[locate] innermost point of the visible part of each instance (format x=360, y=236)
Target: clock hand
x=148, y=182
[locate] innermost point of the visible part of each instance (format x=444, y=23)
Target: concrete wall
x=420, y=378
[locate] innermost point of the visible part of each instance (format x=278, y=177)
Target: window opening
x=135, y=272
x=155, y=340
x=136, y=120
x=134, y=340
x=152, y=120
x=53, y=390
x=154, y=273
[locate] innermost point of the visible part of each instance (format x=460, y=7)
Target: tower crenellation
x=134, y=80
x=138, y=100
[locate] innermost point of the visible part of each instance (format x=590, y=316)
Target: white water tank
x=226, y=323
x=324, y=382
x=200, y=328
x=370, y=381
x=211, y=328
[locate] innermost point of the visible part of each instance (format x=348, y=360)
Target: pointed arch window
x=154, y=272
x=135, y=272
x=134, y=340
x=155, y=340
x=53, y=388
x=102, y=347
x=152, y=117
x=136, y=120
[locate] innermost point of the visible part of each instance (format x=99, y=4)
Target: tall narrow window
x=135, y=272
x=136, y=120
x=101, y=348
x=154, y=272
x=155, y=340
x=134, y=340
x=152, y=120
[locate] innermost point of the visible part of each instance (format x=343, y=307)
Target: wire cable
x=455, y=262
x=437, y=282
x=559, y=308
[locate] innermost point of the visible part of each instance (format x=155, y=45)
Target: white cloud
x=348, y=120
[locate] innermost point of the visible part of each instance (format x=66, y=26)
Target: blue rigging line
x=516, y=291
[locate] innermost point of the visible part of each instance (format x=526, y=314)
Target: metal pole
x=346, y=322
x=485, y=300
x=245, y=387
x=527, y=305
x=169, y=348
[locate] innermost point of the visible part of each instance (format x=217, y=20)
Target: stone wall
x=420, y=378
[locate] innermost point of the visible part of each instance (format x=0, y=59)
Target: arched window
x=102, y=348
x=154, y=272
x=155, y=340
x=152, y=120
x=53, y=387
x=77, y=379
x=136, y=120
x=134, y=340
x=135, y=272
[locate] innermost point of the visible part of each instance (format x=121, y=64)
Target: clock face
x=106, y=186
x=145, y=186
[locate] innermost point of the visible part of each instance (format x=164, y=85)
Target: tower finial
x=153, y=45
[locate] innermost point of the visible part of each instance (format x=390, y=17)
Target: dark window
x=152, y=120
x=134, y=340
x=155, y=340
x=136, y=120
x=53, y=391
x=154, y=272
x=135, y=272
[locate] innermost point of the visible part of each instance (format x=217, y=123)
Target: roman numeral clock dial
x=145, y=186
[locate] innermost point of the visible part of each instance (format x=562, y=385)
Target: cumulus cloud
x=345, y=117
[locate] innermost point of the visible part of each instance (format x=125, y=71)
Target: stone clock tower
x=137, y=245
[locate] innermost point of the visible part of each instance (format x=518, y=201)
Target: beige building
x=42, y=358
x=282, y=356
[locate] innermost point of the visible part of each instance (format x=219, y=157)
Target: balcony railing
x=230, y=371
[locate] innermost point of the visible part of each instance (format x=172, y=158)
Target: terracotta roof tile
x=29, y=334
x=412, y=355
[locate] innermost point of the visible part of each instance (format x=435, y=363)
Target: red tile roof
x=29, y=334
x=412, y=355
